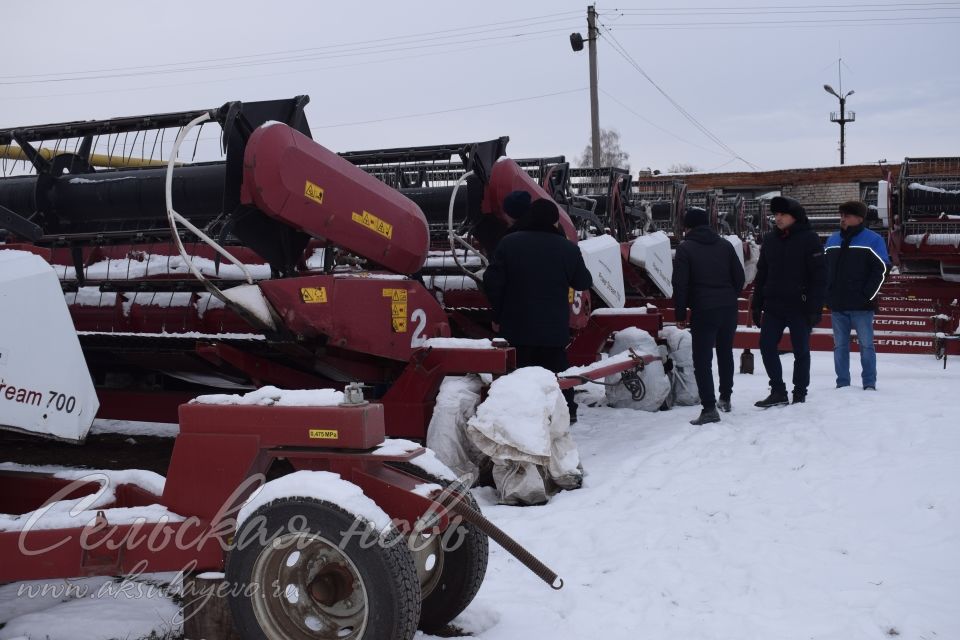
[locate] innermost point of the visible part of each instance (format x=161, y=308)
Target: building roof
x=773, y=180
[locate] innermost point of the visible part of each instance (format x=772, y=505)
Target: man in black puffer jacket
x=708, y=278
x=788, y=293
x=528, y=284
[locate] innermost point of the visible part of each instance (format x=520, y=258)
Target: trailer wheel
x=451, y=578
x=295, y=584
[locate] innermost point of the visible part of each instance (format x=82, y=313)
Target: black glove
x=680, y=315
x=814, y=318
x=756, y=314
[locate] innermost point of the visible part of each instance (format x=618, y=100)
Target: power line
x=373, y=46
x=791, y=12
x=811, y=7
x=623, y=53
x=452, y=110
x=656, y=126
x=275, y=74
x=840, y=22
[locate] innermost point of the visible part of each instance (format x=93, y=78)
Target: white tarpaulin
x=524, y=427
x=45, y=387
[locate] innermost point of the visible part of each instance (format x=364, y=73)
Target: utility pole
x=594, y=99
x=576, y=43
x=843, y=118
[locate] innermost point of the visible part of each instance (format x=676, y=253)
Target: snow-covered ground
x=839, y=519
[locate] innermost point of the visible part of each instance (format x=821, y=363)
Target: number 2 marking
x=419, y=318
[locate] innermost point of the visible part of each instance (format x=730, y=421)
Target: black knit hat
x=695, y=217
x=782, y=204
x=544, y=213
x=854, y=208
x=516, y=204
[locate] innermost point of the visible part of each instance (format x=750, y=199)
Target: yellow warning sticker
x=373, y=223
x=313, y=192
x=313, y=295
x=324, y=434
x=398, y=309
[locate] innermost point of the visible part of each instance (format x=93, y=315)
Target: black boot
x=799, y=395
x=775, y=399
x=707, y=416
x=723, y=404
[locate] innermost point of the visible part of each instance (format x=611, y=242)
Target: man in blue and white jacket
x=857, y=262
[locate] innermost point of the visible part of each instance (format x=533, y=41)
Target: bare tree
x=611, y=155
x=682, y=167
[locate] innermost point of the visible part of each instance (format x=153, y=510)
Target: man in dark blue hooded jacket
x=788, y=292
x=708, y=278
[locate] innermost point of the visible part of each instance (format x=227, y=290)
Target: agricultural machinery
x=253, y=261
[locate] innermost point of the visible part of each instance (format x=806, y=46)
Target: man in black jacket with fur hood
x=708, y=278
x=788, y=292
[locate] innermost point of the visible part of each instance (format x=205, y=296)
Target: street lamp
x=844, y=117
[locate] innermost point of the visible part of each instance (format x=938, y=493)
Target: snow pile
x=251, y=298
x=91, y=297
x=272, y=396
x=620, y=311
x=916, y=186
x=444, y=260
x=449, y=283
x=318, y=485
x=88, y=609
x=135, y=428
x=459, y=343
x=523, y=427
x=143, y=265
x=316, y=260
x=79, y=512
x=428, y=462
x=156, y=299
x=936, y=239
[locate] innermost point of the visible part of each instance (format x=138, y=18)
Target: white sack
x=647, y=390
x=447, y=434
x=684, y=389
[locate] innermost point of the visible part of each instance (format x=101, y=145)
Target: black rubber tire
x=463, y=568
x=387, y=571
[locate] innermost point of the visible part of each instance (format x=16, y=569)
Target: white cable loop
x=173, y=217
x=455, y=239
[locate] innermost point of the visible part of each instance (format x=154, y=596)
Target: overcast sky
x=387, y=73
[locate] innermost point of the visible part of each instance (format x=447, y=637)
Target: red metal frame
x=216, y=462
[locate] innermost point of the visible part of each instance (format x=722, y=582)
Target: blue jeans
x=862, y=323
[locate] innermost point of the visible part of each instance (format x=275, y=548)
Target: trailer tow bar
x=450, y=500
